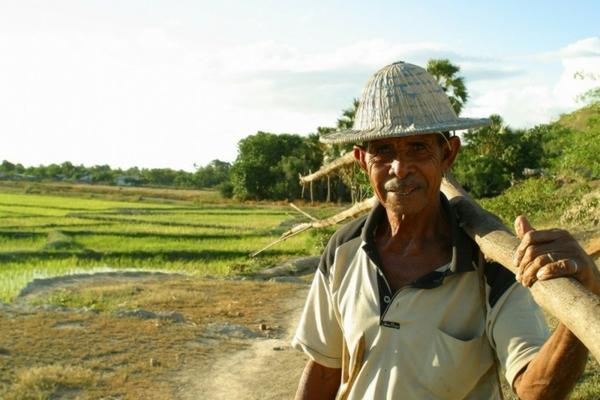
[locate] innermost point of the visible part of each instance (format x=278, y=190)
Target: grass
x=85, y=355
x=51, y=381
x=44, y=235
x=546, y=201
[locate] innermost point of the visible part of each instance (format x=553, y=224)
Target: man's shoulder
x=345, y=234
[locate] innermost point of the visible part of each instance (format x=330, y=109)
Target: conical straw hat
x=402, y=99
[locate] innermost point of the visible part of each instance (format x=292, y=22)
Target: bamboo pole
x=351, y=212
x=312, y=199
x=336, y=164
x=565, y=298
x=295, y=207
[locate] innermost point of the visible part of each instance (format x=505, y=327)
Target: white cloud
x=581, y=71
x=533, y=95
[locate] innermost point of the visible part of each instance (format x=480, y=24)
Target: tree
x=7, y=167
x=346, y=121
x=267, y=165
x=494, y=156
x=212, y=174
x=454, y=86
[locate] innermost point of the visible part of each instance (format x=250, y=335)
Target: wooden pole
x=311, y=191
x=303, y=186
x=565, y=298
x=295, y=207
x=336, y=164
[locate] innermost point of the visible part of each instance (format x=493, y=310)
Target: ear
x=450, y=152
x=359, y=155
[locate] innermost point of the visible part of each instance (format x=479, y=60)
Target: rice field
x=45, y=235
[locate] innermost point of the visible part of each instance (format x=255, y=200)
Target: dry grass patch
x=51, y=381
x=130, y=357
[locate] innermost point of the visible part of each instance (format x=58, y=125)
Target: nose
x=399, y=168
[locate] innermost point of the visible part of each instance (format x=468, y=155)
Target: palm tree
x=454, y=86
x=347, y=119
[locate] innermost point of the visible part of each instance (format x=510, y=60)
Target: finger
x=522, y=226
x=564, y=267
x=537, y=238
x=531, y=253
x=527, y=274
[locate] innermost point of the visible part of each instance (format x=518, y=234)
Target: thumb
x=522, y=226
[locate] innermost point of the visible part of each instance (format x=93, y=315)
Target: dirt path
x=268, y=369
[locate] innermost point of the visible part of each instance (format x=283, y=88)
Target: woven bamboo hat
x=402, y=99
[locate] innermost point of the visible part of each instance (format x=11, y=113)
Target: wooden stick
x=351, y=212
x=281, y=239
x=336, y=164
x=295, y=207
x=565, y=298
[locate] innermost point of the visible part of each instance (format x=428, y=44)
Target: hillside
x=567, y=191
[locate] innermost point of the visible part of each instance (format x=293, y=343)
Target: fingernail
x=542, y=273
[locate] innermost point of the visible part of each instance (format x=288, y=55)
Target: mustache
x=400, y=185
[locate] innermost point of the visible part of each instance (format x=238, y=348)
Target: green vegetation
x=268, y=165
x=496, y=157
x=444, y=73
x=50, y=235
x=567, y=193
x=213, y=175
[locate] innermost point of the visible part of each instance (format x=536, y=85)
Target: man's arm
x=543, y=255
x=552, y=374
x=318, y=382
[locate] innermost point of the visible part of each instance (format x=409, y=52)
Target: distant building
x=123, y=180
x=87, y=178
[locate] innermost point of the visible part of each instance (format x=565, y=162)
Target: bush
x=226, y=189
x=542, y=200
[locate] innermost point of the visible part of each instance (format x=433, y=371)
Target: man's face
x=406, y=172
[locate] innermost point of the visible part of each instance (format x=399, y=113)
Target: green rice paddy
x=45, y=235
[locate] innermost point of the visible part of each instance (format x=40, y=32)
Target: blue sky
x=173, y=84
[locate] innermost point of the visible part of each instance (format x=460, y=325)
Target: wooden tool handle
x=564, y=298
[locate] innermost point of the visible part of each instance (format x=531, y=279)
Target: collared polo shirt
x=431, y=339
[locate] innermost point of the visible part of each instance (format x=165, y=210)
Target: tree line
x=208, y=176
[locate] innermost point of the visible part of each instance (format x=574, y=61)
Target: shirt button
x=386, y=299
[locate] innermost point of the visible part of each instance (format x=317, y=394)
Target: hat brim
x=357, y=136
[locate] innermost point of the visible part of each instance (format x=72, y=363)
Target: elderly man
x=403, y=306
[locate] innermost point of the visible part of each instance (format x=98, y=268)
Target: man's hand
x=546, y=255
x=552, y=253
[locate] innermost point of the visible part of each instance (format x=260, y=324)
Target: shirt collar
x=462, y=245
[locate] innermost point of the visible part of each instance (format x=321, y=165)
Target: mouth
x=401, y=188
x=403, y=191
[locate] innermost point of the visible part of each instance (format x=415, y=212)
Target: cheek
x=376, y=172
x=372, y=169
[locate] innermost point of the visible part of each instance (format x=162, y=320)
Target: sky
x=176, y=84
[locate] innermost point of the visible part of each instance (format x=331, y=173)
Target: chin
x=404, y=206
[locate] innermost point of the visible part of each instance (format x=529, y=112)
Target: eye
x=382, y=150
x=419, y=146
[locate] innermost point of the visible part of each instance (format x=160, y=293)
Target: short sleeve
x=319, y=334
x=518, y=330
